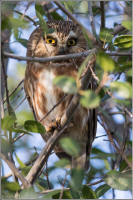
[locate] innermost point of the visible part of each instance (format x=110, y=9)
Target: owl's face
x=65, y=38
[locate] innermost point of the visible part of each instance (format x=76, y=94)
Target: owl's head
x=65, y=38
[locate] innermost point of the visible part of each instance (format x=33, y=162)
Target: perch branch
x=62, y=57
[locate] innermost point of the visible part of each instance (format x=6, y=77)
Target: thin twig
x=62, y=190
x=102, y=15
x=95, y=183
x=53, y=107
x=6, y=86
x=114, y=144
x=13, y=90
x=15, y=171
x=67, y=189
x=20, y=102
x=26, y=16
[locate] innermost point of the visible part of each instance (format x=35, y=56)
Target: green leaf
x=56, y=16
x=88, y=193
x=89, y=99
x=22, y=165
x=8, y=122
x=28, y=194
x=43, y=184
x=127, y=24
x=39, y=14
x=102, y=154
x=84, y=64
x=34, y=126
x=51, y=194
x=77, y=176
x=66, y=195
x=70, y=146
x=23, y=41
x=22, y=116
x=62, y=163
x=106, y=35
x=83, y=7
x=122, y=89
x=123, y=164
x=123, y=41
x=6, y=147
x=105, y=62
x=66, y=83
x=107, y=164
x=129, y=72
x=101, y=190
x=11, y=186
x=119, y=180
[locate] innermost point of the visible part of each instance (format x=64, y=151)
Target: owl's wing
x=92, y=123
x=29, y=94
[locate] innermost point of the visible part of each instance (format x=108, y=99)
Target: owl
x=65, y=38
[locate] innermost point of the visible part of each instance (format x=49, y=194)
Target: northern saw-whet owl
x=42, y=94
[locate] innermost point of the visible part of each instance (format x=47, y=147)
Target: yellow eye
x=50, y=41
x=71, y=42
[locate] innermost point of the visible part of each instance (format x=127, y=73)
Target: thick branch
x=62, y=57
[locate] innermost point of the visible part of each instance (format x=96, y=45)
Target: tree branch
x=26, y=16
x=92, y=18
x=102, y=15
x=62, y=57
x=15, y=171
x=14, y=90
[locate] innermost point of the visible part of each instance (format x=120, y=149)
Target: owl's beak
x=62, y=50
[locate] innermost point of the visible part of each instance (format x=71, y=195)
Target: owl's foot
x=53, y=125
